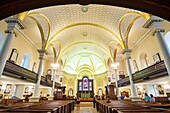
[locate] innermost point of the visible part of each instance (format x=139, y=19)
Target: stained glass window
x=85, y=84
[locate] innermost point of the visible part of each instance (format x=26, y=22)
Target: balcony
x=123, y=82
x=46, y=82
x=151, y=72
x=16, y=71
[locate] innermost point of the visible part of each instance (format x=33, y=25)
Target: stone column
x=155, y=23
x=12, y=23
x=51, y=97
x=36, y=94
x=116, y=79
x=133, y=97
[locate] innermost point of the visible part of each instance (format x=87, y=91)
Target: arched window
x=135, y=66
x=70, y=92
x=100, y=92
x=167, y=38
x=144, y=60
x=25, y=61
x=85, y=84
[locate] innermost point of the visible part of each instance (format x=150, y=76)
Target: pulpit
x=59, y=93
x=111, y=92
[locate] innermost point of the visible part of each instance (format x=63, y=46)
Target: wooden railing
x=124, y=82
x=46, y=82
x=151, y=72
x=16, y=71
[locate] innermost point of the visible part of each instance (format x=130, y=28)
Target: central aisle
x=85, y=110
x=85, y=107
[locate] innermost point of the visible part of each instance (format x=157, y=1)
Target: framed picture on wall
x=156, y=58
x=8, y=88
x=14, y=55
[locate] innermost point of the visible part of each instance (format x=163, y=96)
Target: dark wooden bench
x=45, y=106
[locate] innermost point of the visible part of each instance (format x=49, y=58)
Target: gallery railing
x=13, y=70
x=151, y=72
x=124, y=82
x=46, y=82
x=16, y=71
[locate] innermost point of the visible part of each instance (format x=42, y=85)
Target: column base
x=135, y=98
x=34, y=99
x=51, y=98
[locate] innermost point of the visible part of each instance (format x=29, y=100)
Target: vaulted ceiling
x=84, y=40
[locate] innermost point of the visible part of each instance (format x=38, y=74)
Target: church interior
x=54, y=53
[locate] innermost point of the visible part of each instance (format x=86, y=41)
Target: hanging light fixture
x=84, y=8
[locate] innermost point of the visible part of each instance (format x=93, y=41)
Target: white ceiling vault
x=84, y=41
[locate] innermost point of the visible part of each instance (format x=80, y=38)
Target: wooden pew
x=121, y=107
x=45, y=106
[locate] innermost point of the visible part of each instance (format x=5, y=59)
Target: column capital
x=14, y=22
x=153, y=21
x=41, y=53
x=127, y=52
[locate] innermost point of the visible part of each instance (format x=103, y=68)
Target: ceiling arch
x=157, y=7
x=85, y=42
x=86, y=23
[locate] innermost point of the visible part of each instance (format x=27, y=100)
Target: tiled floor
x=85, y=110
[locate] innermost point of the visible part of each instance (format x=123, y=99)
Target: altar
x=85, y=89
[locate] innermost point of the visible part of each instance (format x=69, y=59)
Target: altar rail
x=151, y=72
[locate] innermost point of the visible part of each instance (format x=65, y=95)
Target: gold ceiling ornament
x=84, y=23
x=85, y=42
x=41, y=32
x=23, y=15
x=54, y=52
x=115, y=54
x=142, y=14
x=49, y=26
x=128, y=30
x=146, y=15
x=61, y=45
